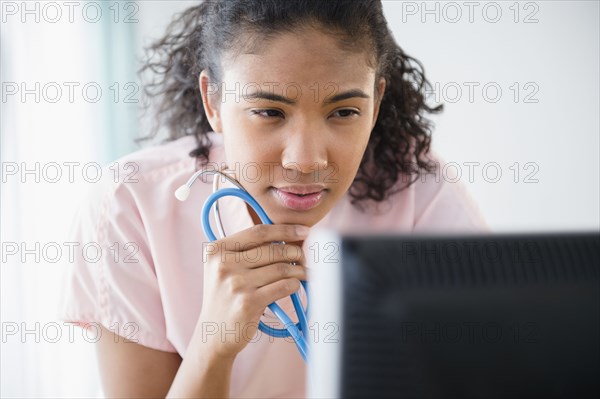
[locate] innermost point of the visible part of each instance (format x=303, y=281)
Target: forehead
x=303, y=57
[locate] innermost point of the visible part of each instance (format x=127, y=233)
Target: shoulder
x=149, y=163
x=435, y=201
x=167, y=161
x=443, y=202
x=142, y=181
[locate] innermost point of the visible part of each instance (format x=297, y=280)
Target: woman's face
x=296, y=119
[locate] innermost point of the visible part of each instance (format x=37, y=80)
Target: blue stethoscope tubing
x=298, y=331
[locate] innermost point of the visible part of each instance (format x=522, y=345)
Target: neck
x=255, y=219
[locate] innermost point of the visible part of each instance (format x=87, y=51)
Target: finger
x=277, y=290
x=274, y=253
x=269, y=274
x=263, y=233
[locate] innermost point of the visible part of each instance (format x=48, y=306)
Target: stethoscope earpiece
x=182, y=193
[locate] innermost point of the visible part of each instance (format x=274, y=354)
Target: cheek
x=238, y=148
x=252, y=166
x=347, y=156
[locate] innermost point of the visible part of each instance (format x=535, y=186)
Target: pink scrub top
x=145, y=283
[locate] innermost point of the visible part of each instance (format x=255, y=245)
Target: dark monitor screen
x=497, y=315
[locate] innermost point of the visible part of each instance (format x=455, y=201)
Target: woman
x=317, y=112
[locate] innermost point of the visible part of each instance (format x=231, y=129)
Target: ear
x=378, y=101
x=210, y=101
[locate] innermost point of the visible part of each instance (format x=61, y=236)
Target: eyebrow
x=277, y=98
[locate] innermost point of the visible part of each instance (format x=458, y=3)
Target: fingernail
x=302, y=231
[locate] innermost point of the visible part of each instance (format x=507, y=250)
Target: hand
x=243, y=274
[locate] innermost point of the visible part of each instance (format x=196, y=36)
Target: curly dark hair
x=198, y=37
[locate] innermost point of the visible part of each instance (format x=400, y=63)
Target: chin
x=306, y=218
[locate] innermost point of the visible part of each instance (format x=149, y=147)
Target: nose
x=305, y=152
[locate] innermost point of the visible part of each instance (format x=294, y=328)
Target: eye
x=267, y=113
x=346, y=113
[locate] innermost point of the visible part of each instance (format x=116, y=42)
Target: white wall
x=556, y=136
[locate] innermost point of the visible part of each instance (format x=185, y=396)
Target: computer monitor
x=462, y=316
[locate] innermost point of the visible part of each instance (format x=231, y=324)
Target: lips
x=307, y=189
x=300, y=198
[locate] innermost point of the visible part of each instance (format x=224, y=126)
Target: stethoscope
x=298, y=331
